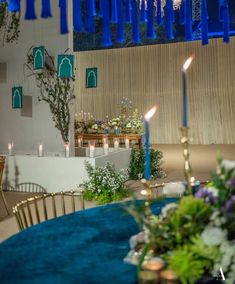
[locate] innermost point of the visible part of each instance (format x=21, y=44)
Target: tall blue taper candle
x=184, y=99
x=146, y=151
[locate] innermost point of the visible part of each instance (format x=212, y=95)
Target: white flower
x=174, y=188
x=168, y=208
x=213, y=236
x=136, y=239
x=213, y=190
x=228, y=165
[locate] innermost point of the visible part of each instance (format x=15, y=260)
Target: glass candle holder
x=91, y=149
x=106, y=148
x=79, y=141
x=105, y=139
x=127, y=143
x=116, y=143
x=66, y=150
x=147, y=277
x=116, y=130
x=195, y=184
x=40, y=150
x=168, y=277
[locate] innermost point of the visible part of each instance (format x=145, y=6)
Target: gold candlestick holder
x=187, y=166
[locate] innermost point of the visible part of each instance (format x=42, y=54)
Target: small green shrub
x=136, y=168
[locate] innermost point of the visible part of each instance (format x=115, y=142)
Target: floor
x=203, y=162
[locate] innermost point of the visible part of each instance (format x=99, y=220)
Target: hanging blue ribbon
x=63, y=17
x=182, y=13
x=46, y=9
x=120, y=29
x=150, y=33
x=159, y=12
x=93, y=7
x=13, y=5
x=135, y=23
x=204, y=22
x=226, y=22
x=89, y=18
x=188, y=20
x=114, y=11
x=168, y=19
x=77, y=16
x=221, y=8
x=128, y=11
x=101, y=9
x=30, y=10
x=142, y=12
x=106, y=37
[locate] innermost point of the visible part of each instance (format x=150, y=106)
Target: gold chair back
x=30, y=187
x=2, y=165
x=47, y=206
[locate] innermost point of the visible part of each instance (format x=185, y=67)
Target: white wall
x=26, y=133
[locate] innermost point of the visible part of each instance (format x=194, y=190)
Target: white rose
x=168, y=208
x=213, y=190
x=174, y=188
x=213, y=236
x=228, y=165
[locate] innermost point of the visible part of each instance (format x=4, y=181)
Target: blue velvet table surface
x=83, y=247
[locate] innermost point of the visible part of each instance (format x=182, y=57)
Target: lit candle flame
x=192, y=180
x=150, y=113
x=187, y=63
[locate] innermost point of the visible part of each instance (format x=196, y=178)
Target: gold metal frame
x=23, y=211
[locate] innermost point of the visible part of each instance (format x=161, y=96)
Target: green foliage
x=57, y=92
x=136, y=168
x=9, y=24
x=105, y=184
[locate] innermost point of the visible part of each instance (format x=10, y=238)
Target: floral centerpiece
x=194, y=237
x=134, y=123
x=105, y=184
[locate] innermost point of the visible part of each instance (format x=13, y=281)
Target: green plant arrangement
x=56, y=91
x=105, y=184
x=136, y=168
x=195, y=236
x=9, y=24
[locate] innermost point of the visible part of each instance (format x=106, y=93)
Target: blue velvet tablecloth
x=84, y=247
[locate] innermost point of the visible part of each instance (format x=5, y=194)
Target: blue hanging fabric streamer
x=128, y=11
x=101, y=9
x=226, y=22
x=188, y=20
x=120, y=29
x=89, y=18
x=204, y=22
x=143, y=12
x=135, y=23
x=221, y=8
x=106, y=37
x=150, y=33
x=13, y=5
x=182, y=13
x=93, y=7
x=114, y=11
x=63, y=17
x=159, y=12
x=168, y=19
x=30, y=10
x=77, y=16
x=46, y=9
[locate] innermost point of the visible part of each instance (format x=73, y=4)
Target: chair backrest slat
x=30, y=187
x=37, y=210
x=29, y=212
x=54, y=205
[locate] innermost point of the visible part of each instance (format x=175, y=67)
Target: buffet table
x=84, y=247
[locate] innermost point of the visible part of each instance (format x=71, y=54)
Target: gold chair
x=30, y=187
x=2, y=164
x=47, y=206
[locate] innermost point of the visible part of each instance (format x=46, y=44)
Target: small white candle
x=66, y=147
x=79, y=116
x=79, y=142
x=91, y=116
x=106, y=148
x=92, y=151
x=116, y=144
x=40, y=150
x=84, y=116
x=127, y=143
x=88, y=116
x=9, y=148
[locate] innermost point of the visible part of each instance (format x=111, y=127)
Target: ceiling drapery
x=120, y=12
